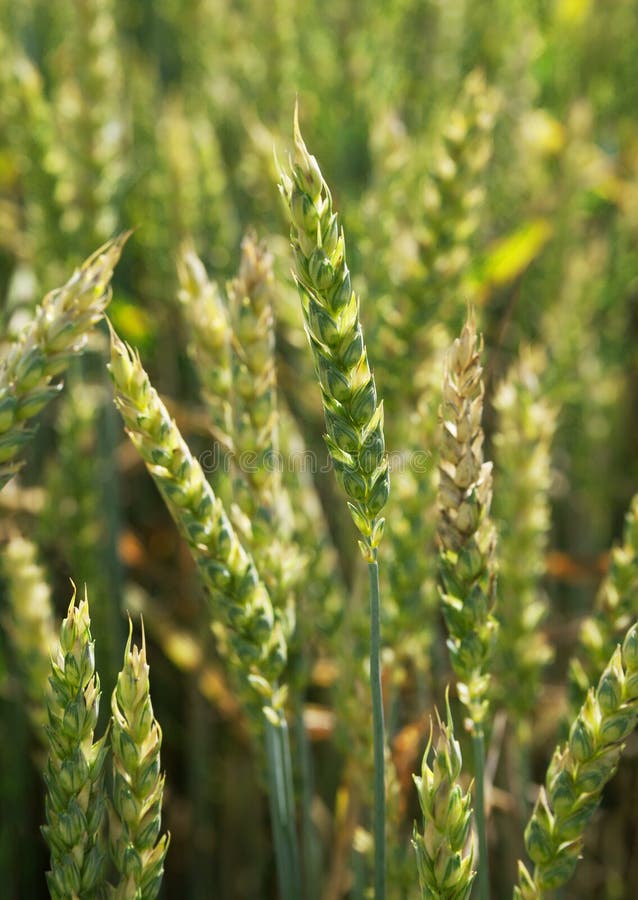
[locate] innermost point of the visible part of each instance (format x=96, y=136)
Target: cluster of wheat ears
x=241, y=535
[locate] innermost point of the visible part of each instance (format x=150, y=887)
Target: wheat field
x=318, y=472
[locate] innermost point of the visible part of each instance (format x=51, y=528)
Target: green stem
x=478, y=744
x=282, y=809
x=311, y=863
x=378, y=731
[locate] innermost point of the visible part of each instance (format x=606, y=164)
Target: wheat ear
x=255, y=635
x=135, y=817
x=578, y=772
x=45, y=348
x=226, y=568
x=75, y=802
x=523, y=457
x=444, y=856
x=354, y=417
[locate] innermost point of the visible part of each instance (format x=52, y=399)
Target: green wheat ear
x=578, y=772
x=45, y=348
x=354, y=417
x=75, y=803
x=445, y=850
x=227, y=570
x=135, y=815
x=466, y=535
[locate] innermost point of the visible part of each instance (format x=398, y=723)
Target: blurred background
x=482, y=152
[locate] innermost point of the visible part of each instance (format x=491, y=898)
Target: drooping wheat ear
x=208, y=338
x=75, y=802
x=354, y=418
x=445, y=850
x=523, y=442
x=578, y=772
x=45, y=348
x=466, y=534
x=615, y=608
x=135, y=817
x=29, y=624
x=239, y=596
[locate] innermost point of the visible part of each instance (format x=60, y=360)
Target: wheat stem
x=377, y=730
x=281, y=798
x=478, y=746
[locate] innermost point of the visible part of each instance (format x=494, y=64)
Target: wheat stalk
x=354, y=417
x=135, y=816
x=75, y=802
x=578, y=772
x=46, y=346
